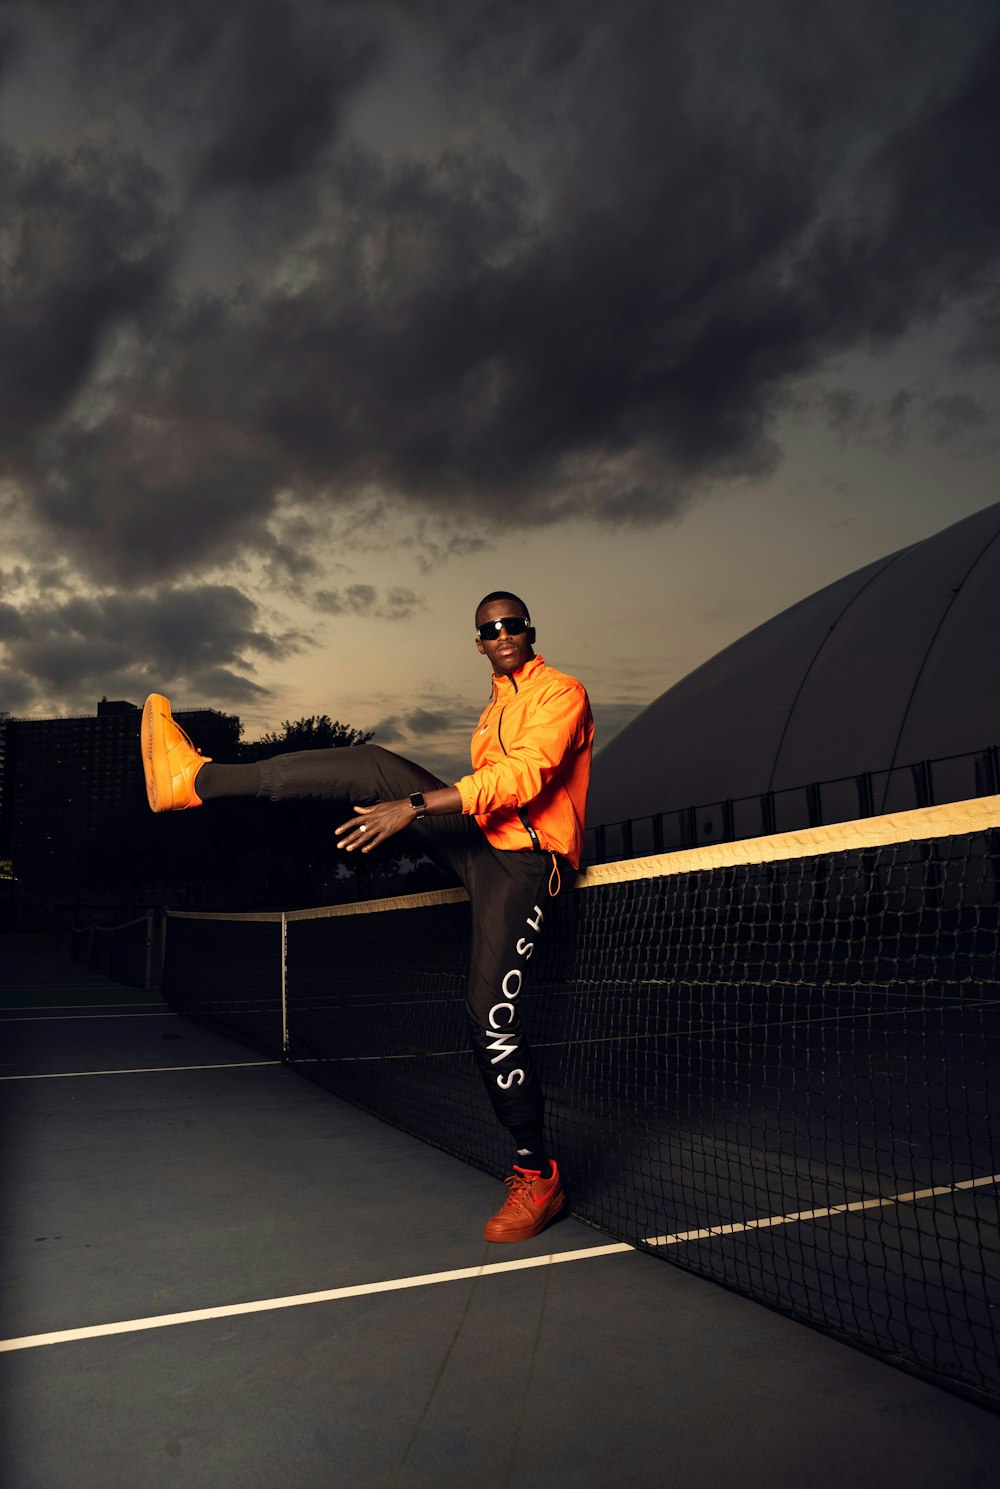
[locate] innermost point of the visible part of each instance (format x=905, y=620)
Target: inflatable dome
x=894, y=664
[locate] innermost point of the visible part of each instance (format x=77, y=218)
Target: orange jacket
x=531, y=753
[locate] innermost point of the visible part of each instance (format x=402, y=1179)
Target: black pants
x=509, y=893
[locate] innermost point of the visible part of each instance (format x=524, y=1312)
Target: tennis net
x=774, y=1062
x=125, y=952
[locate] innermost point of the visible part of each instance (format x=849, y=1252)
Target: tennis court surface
x=158, y=1169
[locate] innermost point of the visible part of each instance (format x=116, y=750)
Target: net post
x=689, y=828
x=284, y=986
x=814, y=804
x=987, y=773
x=148, y=983
x=922, y=783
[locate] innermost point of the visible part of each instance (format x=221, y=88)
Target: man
x=504, y=829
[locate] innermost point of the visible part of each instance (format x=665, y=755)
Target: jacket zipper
x=532, y=834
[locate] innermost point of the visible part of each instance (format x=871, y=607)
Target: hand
x=373, y=825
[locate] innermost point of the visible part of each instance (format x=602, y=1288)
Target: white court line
x=766, y=1221
x=67, y=1018
x=362, y=1289
x=57, y=1007
x=65, y=1075
x=62, y=987
x=427, y=1279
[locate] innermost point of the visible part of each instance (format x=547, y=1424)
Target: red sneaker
x=169, y=759
x=532, y=1202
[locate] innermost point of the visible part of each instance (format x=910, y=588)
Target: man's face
x=506, y=653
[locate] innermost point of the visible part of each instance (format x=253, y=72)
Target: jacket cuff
x=467, y=791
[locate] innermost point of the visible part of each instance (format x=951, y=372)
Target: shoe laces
x=185, y=736
x=519, y=1188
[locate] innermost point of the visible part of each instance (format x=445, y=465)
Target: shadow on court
x=157, y=1169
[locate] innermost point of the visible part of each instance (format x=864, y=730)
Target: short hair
x=503, y=594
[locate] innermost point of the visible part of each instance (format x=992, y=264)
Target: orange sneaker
x=169, y=759
x=531, y=1203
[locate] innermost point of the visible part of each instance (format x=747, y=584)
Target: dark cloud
x=956, y=419
x=85, y=240
x=12, y=579
x=425, y=721
x=12, y=622
x=882, y=422
x=144, y=495
x=638, y=226
x=982, y=341
x=436, y=736
x=388, y=730
x=247, y=92
x=8, y=45
x=953, y=417
x=363, y=599
x=292, y=543
x=355, y=599
x=17, y=692
x=282, y=77
x=845, y=409
x=200, y=642
x=431, y=551
x=936, y=230
x=400, y=603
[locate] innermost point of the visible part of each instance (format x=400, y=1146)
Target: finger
x=364, y=836
x=353, y=823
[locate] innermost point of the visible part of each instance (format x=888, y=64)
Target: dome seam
x=923, y=661
x=886, y=564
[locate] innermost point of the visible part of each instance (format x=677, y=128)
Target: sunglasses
x=514, y=625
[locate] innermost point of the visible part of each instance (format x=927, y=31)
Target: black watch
x=418, y=804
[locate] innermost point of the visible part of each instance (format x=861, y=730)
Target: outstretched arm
x=373, y=825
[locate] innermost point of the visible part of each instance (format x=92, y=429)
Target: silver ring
x=363, y=827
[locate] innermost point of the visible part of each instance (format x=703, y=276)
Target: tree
x=241, y=855
x=317, y=732
x=303, y=862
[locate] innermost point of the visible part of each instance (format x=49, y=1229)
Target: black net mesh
x=782, y=1075
x=226, y=972
x=122, y=952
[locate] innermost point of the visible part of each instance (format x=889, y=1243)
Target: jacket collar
x=520, y=677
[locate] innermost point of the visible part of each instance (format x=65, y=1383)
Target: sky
x=319, y=320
